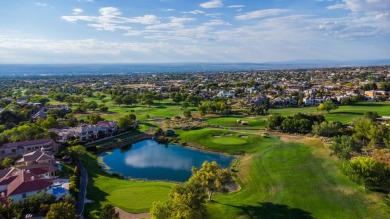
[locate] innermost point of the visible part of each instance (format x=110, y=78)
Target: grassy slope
x=289, y=180
x=131, y=196
x=343, y=114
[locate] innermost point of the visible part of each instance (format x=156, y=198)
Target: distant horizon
x=25, y=70
x=308, y=61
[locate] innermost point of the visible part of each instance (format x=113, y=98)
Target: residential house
x=24, y=147
x=108, y=128
x=226, y=94
x=251, y=90
x=283, y=102
x=82, y=132
x=19, y=184
x=37, y=157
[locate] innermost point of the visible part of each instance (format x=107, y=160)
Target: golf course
x=279, y=177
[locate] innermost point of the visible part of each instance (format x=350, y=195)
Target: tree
x=33, y=203
x=103, y=108
x=24, y=132
x=211, y=177
x=75, y=151
x=118, y=100
x=327, y=106
x=108, y=212
x=49, y=122
x=7, y=162
x=202, y=110
x=186, y=201
x=274, y=121
x=362, y=128
x=371, y=115
x=343, y=146
x=185, y=105
x=367, y=171
x=61, y=210
x=126, y=122
x=71, y=121
x=187, y=114
x=326, y=128
x=94, y=119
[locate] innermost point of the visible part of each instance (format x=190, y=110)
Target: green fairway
x=289, y=180
x=231, y=121
x=228, y=140
x=344, y=114
x=160, y=109
x=131, y=196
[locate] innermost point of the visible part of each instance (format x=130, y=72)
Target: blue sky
x=161, y=31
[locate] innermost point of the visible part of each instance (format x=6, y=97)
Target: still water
x=151, y=160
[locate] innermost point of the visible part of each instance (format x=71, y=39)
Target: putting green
x=229, y=140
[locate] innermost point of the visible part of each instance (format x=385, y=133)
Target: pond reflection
x=153, y=161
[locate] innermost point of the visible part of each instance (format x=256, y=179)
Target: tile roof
x=29, y=143
x=25, y=182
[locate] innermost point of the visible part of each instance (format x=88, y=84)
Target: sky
x=174, y=31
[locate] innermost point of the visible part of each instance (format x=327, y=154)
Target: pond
x=151, y=160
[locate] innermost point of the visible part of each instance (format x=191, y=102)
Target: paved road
x=83, y=187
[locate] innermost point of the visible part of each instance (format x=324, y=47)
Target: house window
x=24, y=195
x=29, y=149
x=13, y=150
x=2, y=152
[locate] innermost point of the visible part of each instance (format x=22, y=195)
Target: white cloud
x=77, y=11
x=110, y=19
x=337, y=6
x=363, y=5
x=146, y=19
x=236, y=6
x=110, y=11
x=194, y=12
x=214, y=15
x=169, y=9
x=261, y=14
x=216, y=23
x=40, y=4
x=212, y=4
x=175, y=23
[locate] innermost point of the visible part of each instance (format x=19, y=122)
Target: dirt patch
x=228, y=134
x=125, y=215
x=216, y=136
x=244, y=168
x=243, y=136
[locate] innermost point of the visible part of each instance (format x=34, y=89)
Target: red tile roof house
x=20, y=148
x=18, y=184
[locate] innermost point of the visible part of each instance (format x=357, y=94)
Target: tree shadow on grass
x=272, y=211
x=371, y=104
x=347, y=113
